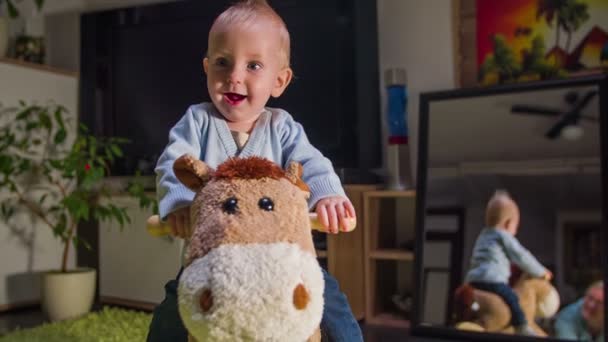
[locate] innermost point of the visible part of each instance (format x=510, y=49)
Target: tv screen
x=141, y=68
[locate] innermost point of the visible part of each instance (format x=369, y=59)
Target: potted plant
x=57, y=171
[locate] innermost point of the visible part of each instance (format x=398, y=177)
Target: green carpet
x=107, y=325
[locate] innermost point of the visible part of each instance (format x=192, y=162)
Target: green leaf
x=39, y=4
x=59, y=118
x=92, y=177
x=56, y=164
x=60, y=136
x=13, y=12
x=25, y=113
x=117, y=214
x=24, y=165
x=116, y=150
x=45, y=120
x=6, y=164
x=77, y=207
x=31, y=125
x=59, y=228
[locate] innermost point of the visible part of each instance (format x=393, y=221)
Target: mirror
x=539, y=144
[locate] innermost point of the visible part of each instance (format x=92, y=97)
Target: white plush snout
x=254, y=292
x=549, y=305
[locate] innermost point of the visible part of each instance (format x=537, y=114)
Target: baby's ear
x=294, y=174
x=282, y=81
x=192, y=172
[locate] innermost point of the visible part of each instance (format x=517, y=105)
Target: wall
x=415, y=36
x=29, y=246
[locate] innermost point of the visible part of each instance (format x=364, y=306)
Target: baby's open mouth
x=234, y=98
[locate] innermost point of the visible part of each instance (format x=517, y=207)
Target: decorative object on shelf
x=57, y=176
x=30, y=49
x=27, y=47
x=397, y=179
x=13, y=11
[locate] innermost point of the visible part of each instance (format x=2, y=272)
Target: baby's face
x=513, y=223
x=245, y=66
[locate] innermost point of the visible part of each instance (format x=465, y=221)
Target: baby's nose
x=235, y=76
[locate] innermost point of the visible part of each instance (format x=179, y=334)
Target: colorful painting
x=520, y=40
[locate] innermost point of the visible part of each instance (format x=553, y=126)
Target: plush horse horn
x=294, y=174
x=192, y=172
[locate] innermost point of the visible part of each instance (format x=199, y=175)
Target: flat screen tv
x=141, y=68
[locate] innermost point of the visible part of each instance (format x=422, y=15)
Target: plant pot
x=3, y=36
x=68, y=295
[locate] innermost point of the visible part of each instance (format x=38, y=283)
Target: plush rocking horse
x=251, y=272
x=479, y=310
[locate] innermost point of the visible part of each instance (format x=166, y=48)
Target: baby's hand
x=179, y=221
x=548, y=275
x=332, y=213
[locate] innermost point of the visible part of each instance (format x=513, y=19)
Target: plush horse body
x=251, y=272
x=485, y=311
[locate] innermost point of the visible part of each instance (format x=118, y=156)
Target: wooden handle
x=158, y=228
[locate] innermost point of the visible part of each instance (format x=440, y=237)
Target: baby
x=494, y=251
x=247, y=62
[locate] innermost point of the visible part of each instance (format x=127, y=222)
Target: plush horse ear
x=294, y=174
x=192, y=172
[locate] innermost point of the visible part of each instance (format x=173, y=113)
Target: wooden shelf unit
x=344, y=253
x=388, y=264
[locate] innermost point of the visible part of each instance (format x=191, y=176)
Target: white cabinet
x=133, y=265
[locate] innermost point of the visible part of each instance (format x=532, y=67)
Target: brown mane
x=254, y=168
x=248, y=168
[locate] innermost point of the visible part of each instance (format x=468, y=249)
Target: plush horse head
x=251, y=271
x=537, y=298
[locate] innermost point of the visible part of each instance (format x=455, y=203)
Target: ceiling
x=482, y=129
x=476, y=145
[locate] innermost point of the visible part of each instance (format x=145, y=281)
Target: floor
x=31, y=317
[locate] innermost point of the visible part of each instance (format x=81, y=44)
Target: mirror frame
x=599, y=80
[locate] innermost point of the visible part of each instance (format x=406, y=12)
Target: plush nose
x=205, y=300
x=300, y=297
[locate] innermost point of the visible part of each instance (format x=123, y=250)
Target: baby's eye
x=221, y=61
x=254, y=66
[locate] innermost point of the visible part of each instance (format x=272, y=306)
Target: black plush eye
x=266, y=203
x=230, y=206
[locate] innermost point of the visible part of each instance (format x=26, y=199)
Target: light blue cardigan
x=203, y=132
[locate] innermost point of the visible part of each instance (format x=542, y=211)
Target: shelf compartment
x=389, y=220
x=387, y=278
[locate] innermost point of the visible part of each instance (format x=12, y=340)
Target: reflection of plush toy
x=485, y=311
x=251, y=271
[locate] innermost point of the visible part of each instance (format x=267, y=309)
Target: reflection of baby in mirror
x=495, y=249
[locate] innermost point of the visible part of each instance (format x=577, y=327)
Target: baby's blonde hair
x=249, y=12
x=500, y=208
